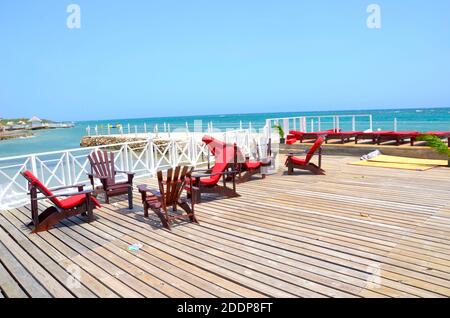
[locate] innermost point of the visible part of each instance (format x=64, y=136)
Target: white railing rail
x=319, y=123
x=144, y=158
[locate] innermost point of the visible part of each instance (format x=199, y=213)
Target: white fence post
x=151, y=156
x=69, y=171
x=125, y=153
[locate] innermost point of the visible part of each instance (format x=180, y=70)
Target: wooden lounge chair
x=80, y=202
x=343, y=136
x=398, y=137
x=302, y=136
x=102, y=167
x=248, y=168
x=169, y=196
x=293, y=162
x=374, y=136
x=207, y=180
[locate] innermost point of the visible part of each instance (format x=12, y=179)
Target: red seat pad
x=224, y=155
x=77, y=200
x=252, y=164
x=438, y=133
x=309, y=154
x=406, y=133
x=298, y=161
x=295, y=133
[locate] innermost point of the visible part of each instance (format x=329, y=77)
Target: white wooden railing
x=320, y=123
x=144, y=158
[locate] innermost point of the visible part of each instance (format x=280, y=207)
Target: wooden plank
x=286, y=236
x=63, y=254
x=58, y=272
x=21, y=274
x=9, y=286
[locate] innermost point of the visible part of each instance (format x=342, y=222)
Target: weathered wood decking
x=356, y=232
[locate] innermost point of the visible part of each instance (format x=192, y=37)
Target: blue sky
x=145, y=58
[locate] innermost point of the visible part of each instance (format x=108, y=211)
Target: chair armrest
x=64, y=195
x=291, y=154
x=214, y=174
x=126, y=172
x=97, y=176
x=68, y=187
x=195, y=170
x=144, y=189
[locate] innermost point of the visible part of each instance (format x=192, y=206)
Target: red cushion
x=251, y=164
x=77, y=200
x=213, y=144
x=291, y=141
x=296, y=133
x=63, y=204
x=298, y=161
x=38, y=184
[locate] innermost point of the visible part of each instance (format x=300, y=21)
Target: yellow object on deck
x=395, y=165
x=406, y=160
x=401, y=163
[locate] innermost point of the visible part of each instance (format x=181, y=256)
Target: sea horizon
x=420, y=119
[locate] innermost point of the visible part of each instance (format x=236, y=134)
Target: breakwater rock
x=15, y=134
x=95, y=141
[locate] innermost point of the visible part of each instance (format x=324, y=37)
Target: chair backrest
x=102, y=164
x=172, y=186
x=213, y=144
x=33, y=181
x=314, y=148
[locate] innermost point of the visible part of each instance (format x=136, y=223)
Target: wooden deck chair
x=293, y=162
x=169, y=196
x=208, y=180
x=102, y=167
x=80, y=202
x=248, y=168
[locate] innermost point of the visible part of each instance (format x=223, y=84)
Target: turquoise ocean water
x=60, y=139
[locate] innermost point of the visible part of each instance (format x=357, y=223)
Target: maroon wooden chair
x=169, y=196
x=102, y=167
x=305, y=163
x=80, y=202
x=248, y=168
x=208, y=180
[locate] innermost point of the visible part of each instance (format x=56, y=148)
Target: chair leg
x=290, y=169
x=89, y=207
x=145, y=209
x=188, y=211
x=162, y=217
x=130, y=197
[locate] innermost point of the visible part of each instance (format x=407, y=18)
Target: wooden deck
x=356, y=232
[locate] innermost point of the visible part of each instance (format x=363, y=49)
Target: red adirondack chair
x=169, y=196
x=207, y=180
x=80, y=202
x=293, y=162
x=102, y=167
